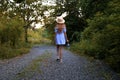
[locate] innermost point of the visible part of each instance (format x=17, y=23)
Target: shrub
x=101, y=39
x=11, y=31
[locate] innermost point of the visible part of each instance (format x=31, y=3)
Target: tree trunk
x=26, y=34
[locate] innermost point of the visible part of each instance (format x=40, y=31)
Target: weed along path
x=40, y=64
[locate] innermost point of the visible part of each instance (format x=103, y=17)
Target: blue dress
x=60, y=37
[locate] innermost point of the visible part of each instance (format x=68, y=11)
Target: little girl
x=60, y=36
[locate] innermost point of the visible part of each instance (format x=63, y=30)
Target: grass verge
x=7, y=52
x=34, y=67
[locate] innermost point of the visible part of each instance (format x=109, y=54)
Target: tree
x=74, y=20
x=10, y=29
x=29, y=11
x=90, y=7
x=101, y=38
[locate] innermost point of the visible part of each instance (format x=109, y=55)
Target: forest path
x=41, y=64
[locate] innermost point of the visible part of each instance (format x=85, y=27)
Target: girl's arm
x=65, y=35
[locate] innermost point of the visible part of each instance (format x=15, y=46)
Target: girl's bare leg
x=60, y=53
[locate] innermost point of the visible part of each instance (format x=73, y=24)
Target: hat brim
x=60, y=21
x=63, y=21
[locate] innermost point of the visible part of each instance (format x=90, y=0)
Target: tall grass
x=7, y=52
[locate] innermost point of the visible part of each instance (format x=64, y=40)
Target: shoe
x=57, y=59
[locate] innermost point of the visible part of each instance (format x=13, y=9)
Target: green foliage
x=38, y=36
x=83, y=47
x=15, y=22
x=34, y=36
x=11, y=37
x=10, y=31
x=108, y=45
x=75, y=23
x=101, y=38
x=90, y=7
x=7, y=52
x=76, y=47
x=29, y=11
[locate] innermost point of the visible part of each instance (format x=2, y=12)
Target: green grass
x=34, y=67
x=76, y=49
x=7, y=52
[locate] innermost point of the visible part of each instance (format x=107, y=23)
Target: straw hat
x=60, y=20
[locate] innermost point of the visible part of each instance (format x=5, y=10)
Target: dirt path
x=41, y=64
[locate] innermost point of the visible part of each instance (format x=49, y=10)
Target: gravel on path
x=41, y=64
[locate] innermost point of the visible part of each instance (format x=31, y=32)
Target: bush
x=101, y=39
x=11, y=31
x=7, y=53
x=11, y=38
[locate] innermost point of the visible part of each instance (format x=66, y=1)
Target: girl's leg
x=60, y=53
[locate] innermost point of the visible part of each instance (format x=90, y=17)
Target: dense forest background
x=93, y=27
